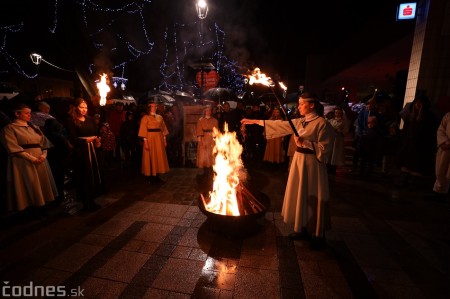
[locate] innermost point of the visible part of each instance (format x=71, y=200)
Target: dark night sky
x=274, y=35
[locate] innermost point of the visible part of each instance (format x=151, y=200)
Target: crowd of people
x=40, y=153
x=38, y=149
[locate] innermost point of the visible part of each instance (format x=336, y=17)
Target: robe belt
x=304, y=150
x=30, y=145
x=153, y=130
x=207, y=131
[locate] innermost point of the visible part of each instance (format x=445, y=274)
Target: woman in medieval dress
x=30, y=181
x=153, y=132
x=205, y=138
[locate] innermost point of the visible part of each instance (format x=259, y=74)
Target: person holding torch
x=307, y=190
x=82, y=133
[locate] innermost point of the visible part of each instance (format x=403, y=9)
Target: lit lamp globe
x=36, y=58
x=202, y=9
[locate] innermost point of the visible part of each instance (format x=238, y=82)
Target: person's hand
x=41, y=159
x=146, y=147
x=38, y=160
x=98, y=142
x=299, y=141
x=246, y=121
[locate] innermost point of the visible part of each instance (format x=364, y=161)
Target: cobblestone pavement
x=152, y=241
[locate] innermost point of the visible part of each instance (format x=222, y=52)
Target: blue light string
x=173, y=68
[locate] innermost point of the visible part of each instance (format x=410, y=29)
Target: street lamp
x=202, y=9
x=37, y=59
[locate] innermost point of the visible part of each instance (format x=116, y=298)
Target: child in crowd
x=128, y=137
x=108, y=143
x=371, y=145
x=339, y=123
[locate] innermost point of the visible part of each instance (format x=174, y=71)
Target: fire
x=227, y=167
x=260, y=78
x=103, y=89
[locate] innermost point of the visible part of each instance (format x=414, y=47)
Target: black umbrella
x=161, y=96
x=220, y=94
x=183, y=96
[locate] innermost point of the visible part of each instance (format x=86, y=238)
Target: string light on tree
x=119, y=81
x=101, y=21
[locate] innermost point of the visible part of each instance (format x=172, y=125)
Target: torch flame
x=227, y=167
x=260, y=78
x=103, y=89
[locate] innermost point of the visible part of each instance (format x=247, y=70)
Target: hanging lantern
x=36, y=58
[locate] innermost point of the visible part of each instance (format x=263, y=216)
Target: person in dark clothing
x=82, y=133
x=371, y=146
x=129, y=137
x=58, y=154
x=361, y=129
x=417, y=146
x=115, y=119
x=255, y=141
x=231, y=117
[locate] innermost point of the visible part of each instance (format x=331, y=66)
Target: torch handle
x=285, y=113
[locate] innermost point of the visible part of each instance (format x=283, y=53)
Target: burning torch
x=103, y=89
x=260, y=78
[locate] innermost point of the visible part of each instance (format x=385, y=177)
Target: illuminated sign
x=406, y=11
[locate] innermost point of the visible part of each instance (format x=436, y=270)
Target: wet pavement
x=152, y=241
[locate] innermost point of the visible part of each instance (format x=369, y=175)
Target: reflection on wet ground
x=153, y=241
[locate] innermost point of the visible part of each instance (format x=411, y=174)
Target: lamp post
x=37, y=59
x=202, y=11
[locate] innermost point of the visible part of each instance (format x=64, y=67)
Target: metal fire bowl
x=236, y=226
